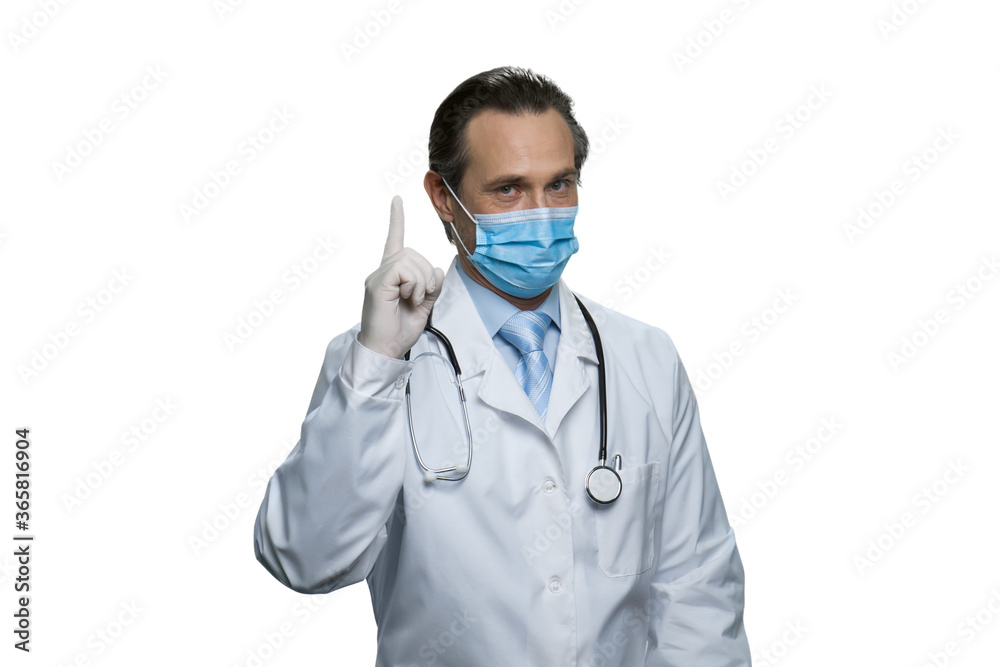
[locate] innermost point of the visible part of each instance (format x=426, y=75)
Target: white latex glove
x=399, y=294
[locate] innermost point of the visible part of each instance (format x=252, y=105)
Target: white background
x=665, y=134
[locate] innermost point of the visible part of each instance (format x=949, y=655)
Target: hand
x=399, y=294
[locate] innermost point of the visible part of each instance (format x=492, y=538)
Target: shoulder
x=645, y=363
x=623, y=335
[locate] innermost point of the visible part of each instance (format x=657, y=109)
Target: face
x=515, y=162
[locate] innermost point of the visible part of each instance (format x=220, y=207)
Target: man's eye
x=565, y=185
x=504, y=187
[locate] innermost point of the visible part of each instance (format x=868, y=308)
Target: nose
x=538, y=199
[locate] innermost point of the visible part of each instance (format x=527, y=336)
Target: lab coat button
x=549, y=485
x=400, y=381
x=555, y=585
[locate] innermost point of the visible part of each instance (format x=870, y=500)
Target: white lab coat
x=514, y=565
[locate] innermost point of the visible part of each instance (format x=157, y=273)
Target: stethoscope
x=603, y=482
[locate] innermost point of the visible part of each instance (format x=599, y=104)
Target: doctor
x=509, y=560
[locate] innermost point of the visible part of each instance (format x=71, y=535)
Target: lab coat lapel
x=455, y=314
x=501, y=390
x=576, y=349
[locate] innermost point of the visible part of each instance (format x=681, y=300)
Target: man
x=517, y=559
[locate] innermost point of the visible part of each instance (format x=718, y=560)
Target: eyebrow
x=517, y=178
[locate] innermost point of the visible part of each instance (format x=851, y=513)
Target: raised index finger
x=394, y=242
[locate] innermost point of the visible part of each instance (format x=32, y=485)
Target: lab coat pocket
x=625, y=527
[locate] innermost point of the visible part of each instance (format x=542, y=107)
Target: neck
x=529, y=303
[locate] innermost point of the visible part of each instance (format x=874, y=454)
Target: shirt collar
x=494, y=310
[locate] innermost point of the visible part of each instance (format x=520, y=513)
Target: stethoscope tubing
x=601, y=381
x=602, y=398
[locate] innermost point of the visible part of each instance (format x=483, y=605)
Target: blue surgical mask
x=523, y=252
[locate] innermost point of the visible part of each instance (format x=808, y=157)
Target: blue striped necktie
x=526, y=331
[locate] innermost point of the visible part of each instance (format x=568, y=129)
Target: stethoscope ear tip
x=430, y=477
x=462, y=469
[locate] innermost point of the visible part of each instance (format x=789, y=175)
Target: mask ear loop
x=450, y=222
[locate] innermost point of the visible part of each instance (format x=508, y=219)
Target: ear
x=440, y=198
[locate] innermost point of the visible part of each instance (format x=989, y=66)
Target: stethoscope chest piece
x=604, y=484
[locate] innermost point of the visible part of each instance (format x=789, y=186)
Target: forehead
x=526, y=144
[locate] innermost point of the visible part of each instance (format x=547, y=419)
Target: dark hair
x=512, y=90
